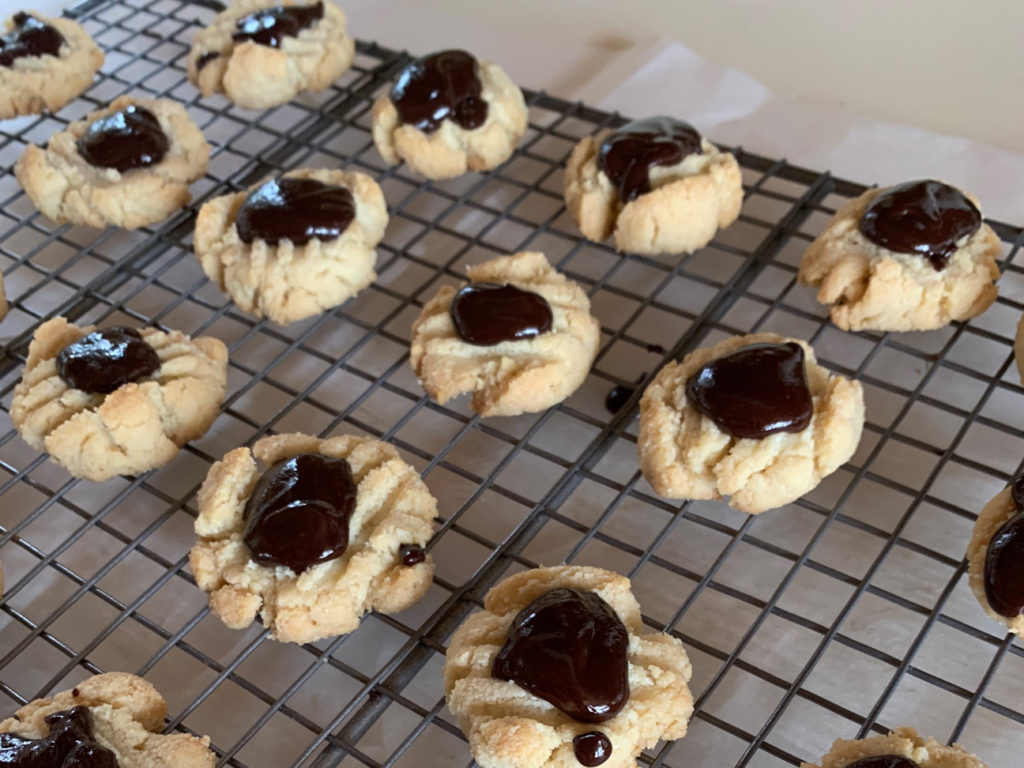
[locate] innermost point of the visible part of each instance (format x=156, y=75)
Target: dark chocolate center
x=441, y=86
x=1004, y=560
x=106, y=360
x=885, y=761
x=628, y=155
x=569, y=648
x=411, y=554
x=206, y=58
x=30, y=37
x=270, y=26
x=591, y=748
x=129, y=138
x=298, y=513
x=70, y=744
x=928, y=218
x=294, y=209
x=486, y=314
x=755, y=391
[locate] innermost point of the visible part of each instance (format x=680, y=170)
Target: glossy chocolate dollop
x=591, y=748
x=294, y=209
x=205, y=59
x=298, y=514
x=928, y=218
x=129, y=138
x=486, y=314
x=754, y=392
x=570, y=648
x=1004, y=560
x=885, y=761
x=106, y=360
x=30, y=37
x=617, y=398
x=441, y=86
x=411, y=554
x=627, y=156
x=269, y=26
x=70, y=744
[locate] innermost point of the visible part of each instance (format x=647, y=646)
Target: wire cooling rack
x=845, y=613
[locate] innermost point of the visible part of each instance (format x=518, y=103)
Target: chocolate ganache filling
x=270, y=26
x=295, y=209
x=1004, y=560
x=591, y=749
x=106, y=360
x=298, y=514
x=570, y=648
x=928, y=218
x=627, y=156
x=754, y=392
x=129, y=138
x=30, y=37
x=442, y=86
x=885, y=761
x=411, y=554
x=486, y=314
x=70, y=744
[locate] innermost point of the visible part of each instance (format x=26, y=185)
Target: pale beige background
x=951, y=66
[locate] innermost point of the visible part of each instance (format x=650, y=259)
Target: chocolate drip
x=486, y=314
x=411, y=554
x=205, y=59
x=129, y=138
x=295, y=209
x=1004, y=560
x=270, y=26
x=885, y=761
x=754, y=392
x=570, y=648
x=591, y=749
x=928, y=218
x=441, y=86
x=106, y=360
x=627, y=156
x=70, y=744
x=298, y=514
x=30, y=37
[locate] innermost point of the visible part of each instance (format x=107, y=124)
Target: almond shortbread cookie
x=293, y=246
x=519, y=337
x=912, y=257
x=128, y=165
x=557, y=671
x=328, y=530
x=44, y=63
x=903, y=748
x=105, y=720
x=449, y=112
x=260, y=53
x=754, y=418
x=116, y=401
x=995, y=557
x=655, y=184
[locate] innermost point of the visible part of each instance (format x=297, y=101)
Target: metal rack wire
x=842, y=614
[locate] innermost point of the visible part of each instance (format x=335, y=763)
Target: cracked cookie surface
x=512, y=377
x=687, y=204
x=287, y=282
x=67, y=188
x=903, y=742
x=452, y=150
x=685, y=455
x=869, y=287
x=137, y=427
x=32, y=84
x=257, y=76
x=508, y=727
x=393, y=507
x=127, y=715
